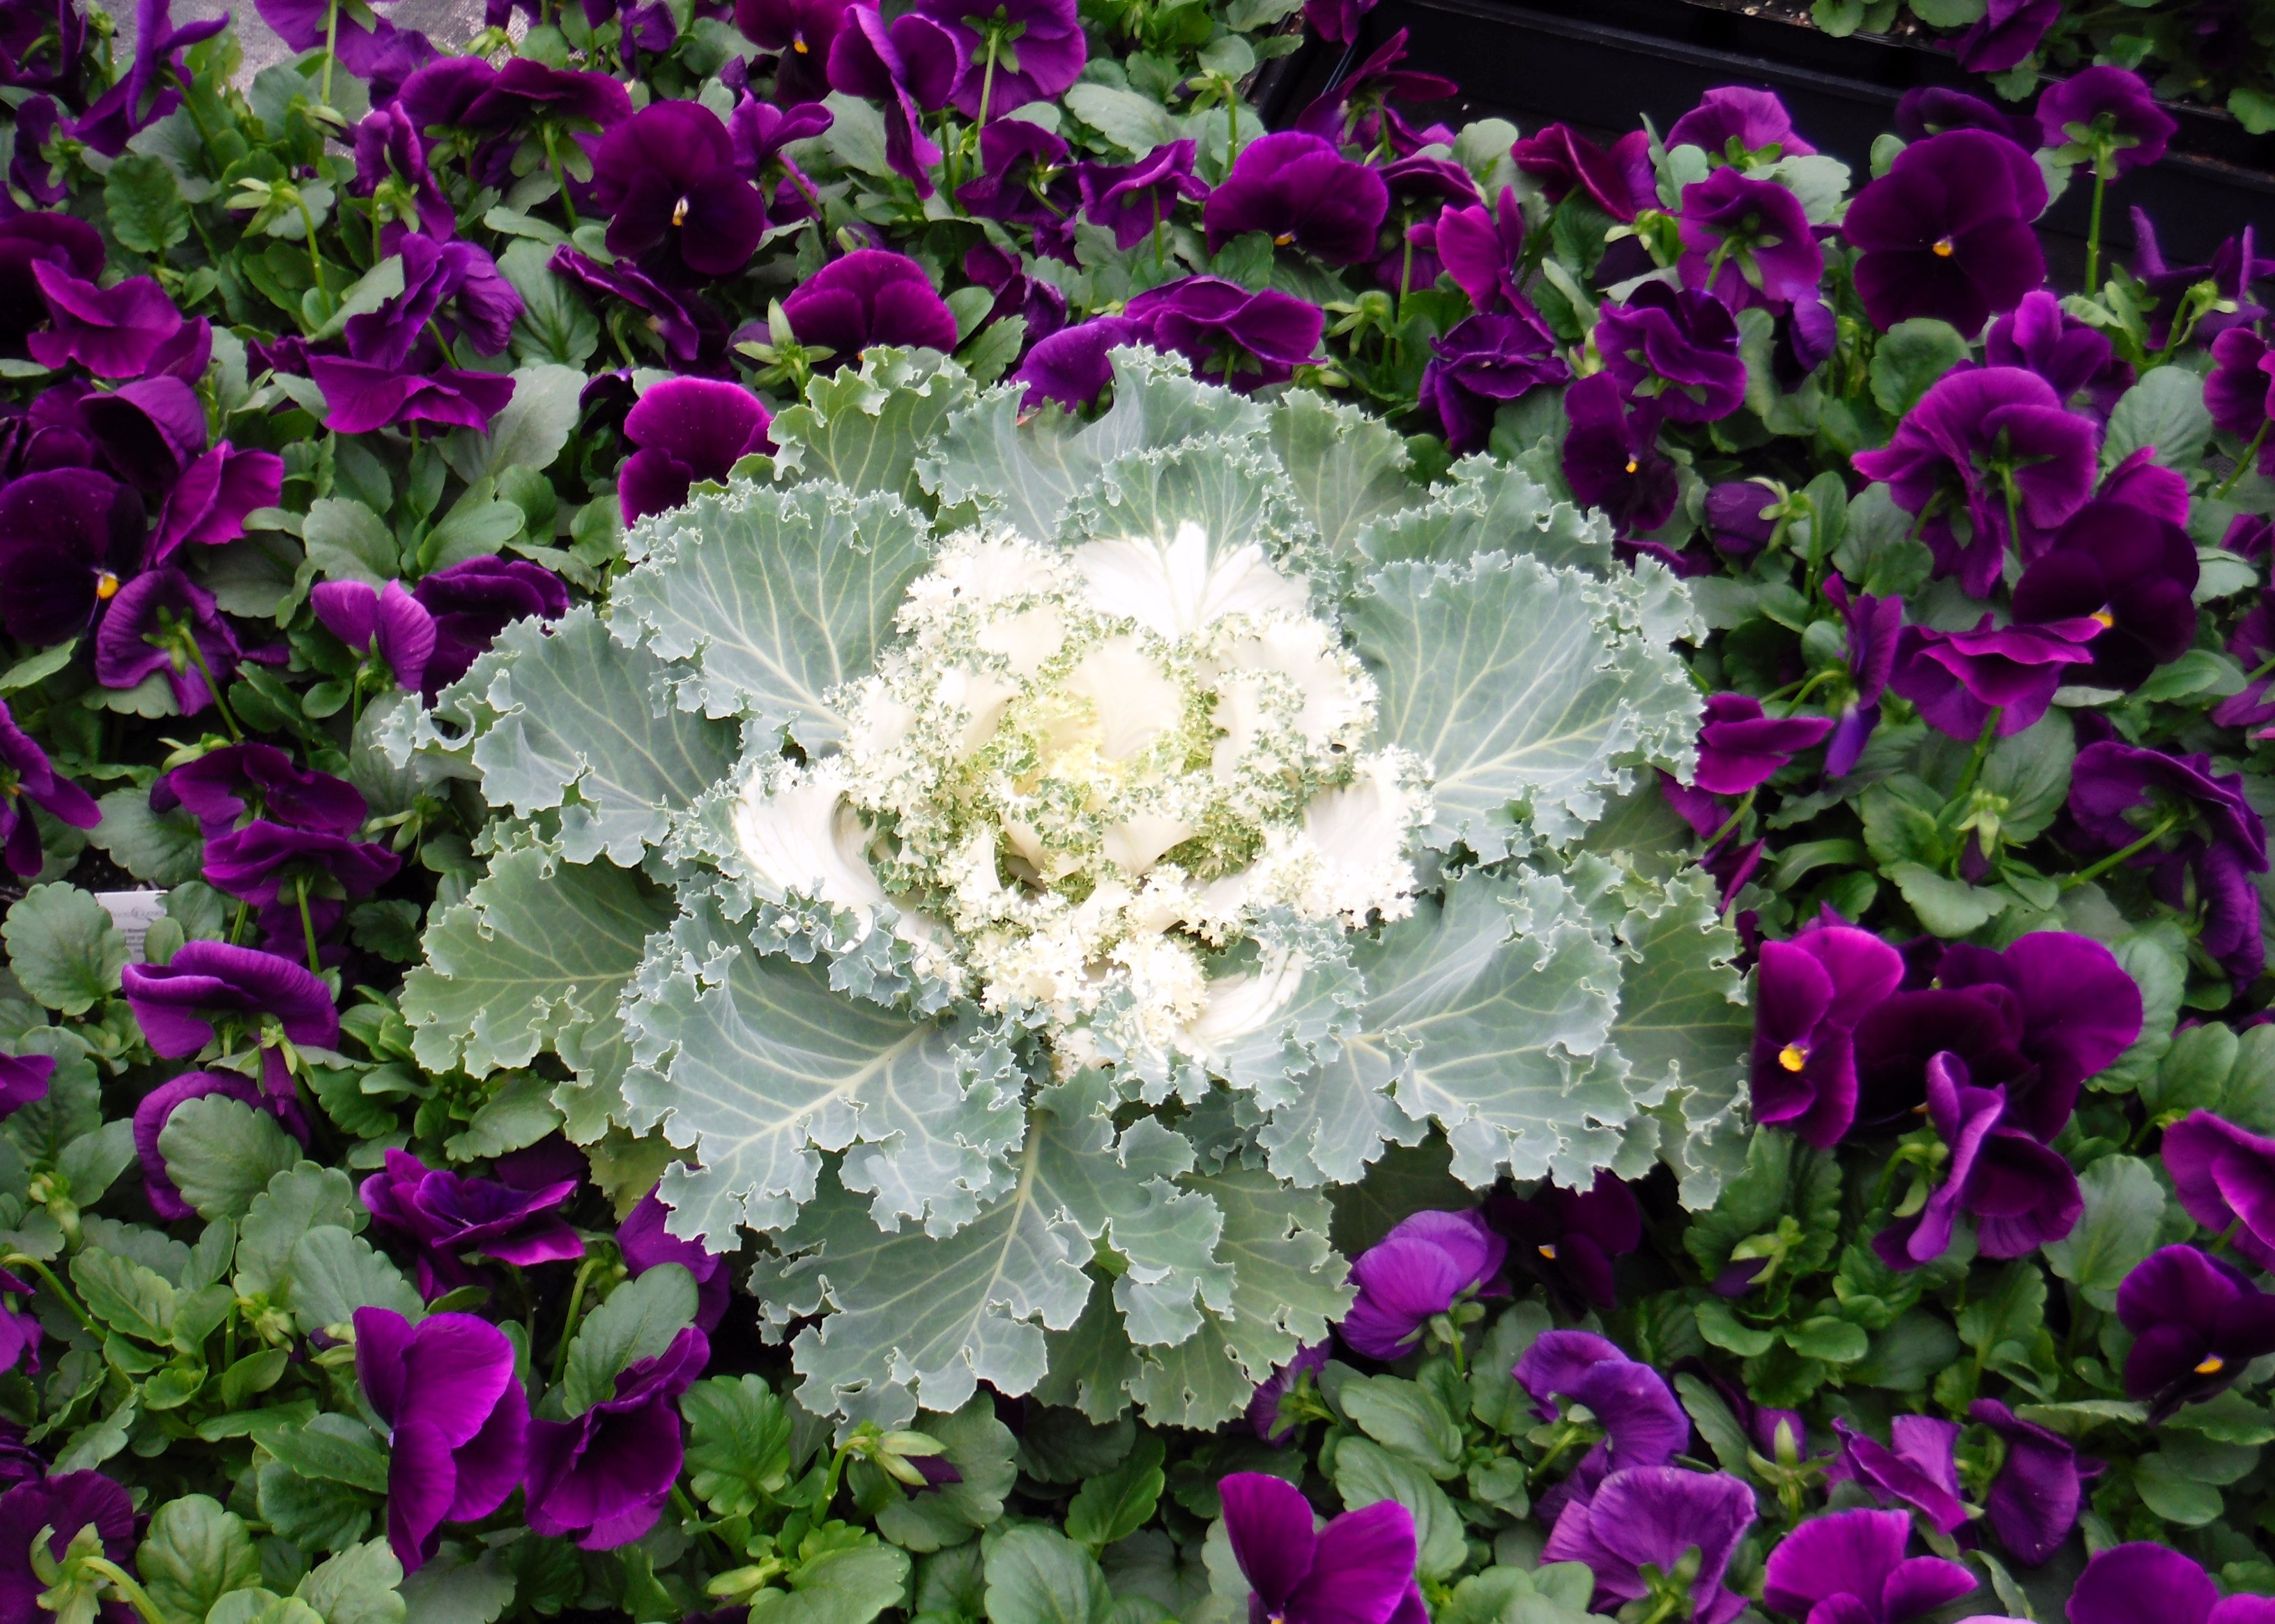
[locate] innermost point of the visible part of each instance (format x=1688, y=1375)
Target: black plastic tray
x=1601, y=65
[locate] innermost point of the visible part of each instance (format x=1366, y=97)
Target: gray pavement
x=447, y=22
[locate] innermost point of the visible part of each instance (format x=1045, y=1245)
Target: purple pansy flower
x=761, y=132
x=2036, y=1019
x=2126, y=1584
x=1264, y=1409
x=223, y=787
x=1299, y=190
x=1242, y=339
x=1418, y=1270
x=668, y=177
x=1484, y=362
x=1337, y=21
x=1070, y=366
x=1021, y=179
x=1959, y=679
x=458, y=1420
x=693, y=335
x=389, y=148
x=386, y=626
x=153, y=1111
x=1611, y=459
x=1482, y=250
x=1850, y=1567
x=2130, y=571
x=1358, y=1569
x=270, y=999
x=2208, y=832
x=472, y=602
x=1677, y=347
x=1754, y=119
x=1946, y=231
x=486, y=304
x=1037, y=55
x=2020, y=1194
x=1918, y=1467
x=1357, y=108
x=24, y=1080
x=1740, y=747
x=1741, y=517
x=263, y=862
x=603, y=1476
x=143, y=94
x=2035, y=1500
x=1752, y=237
x=28, y=779
x=61, y=1507
x=208, y=504
x=870, y=296
x=645, y=1242
x=2008, y=31
x=113, y=332
x=802, y=31
x=27, y=241
x=1004, y=274
x=2232, y=269
x=2104, y=109
x=687, y=429
x=911, y=67
x=1874, y=624
x=68, y=539
x=362, y=396
x=20, y=1332
x=146, y=432
x=1654, y=1516
x=1565, y=1239
x=1930, y=110
x=1562, y=160
x=2253, y=642
x=445, y=1213
x=1134, y=199
x=2240, y=394
x=2040, y=337
x=1978, y=444
x=2197, y=1324
x=1643, y=1424
x=163, y=624
x=1809, y=994
x=2224, y=1176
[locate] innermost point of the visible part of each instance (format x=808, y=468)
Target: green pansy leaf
x=162, y=848
x=1038, y=1576
x=639, y=1320
x=738, y=1443
x=221, y=1153
x=301, y=1198
x=981, y=1448
x=360, y=1585
x=335, y=1272
x=849, y=1585
x=2124, y=1208
x=1365, y=1472
x=62, y=948
x=195, y=1553
x=1117, y=1503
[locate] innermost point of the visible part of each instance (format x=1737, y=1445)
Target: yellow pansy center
x=1793, y=1057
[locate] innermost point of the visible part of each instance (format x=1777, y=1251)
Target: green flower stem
x=988, y=78
x=308, y=927
x=197, y=659
x=560, y=176
x=2093, y=230
x=1974, y=762
x=576, y=1313
x=2072, y=881
x=18, y=1260
x=1723, y=832
x=124, y=1583
x=2244, y=462
x=331, y=51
